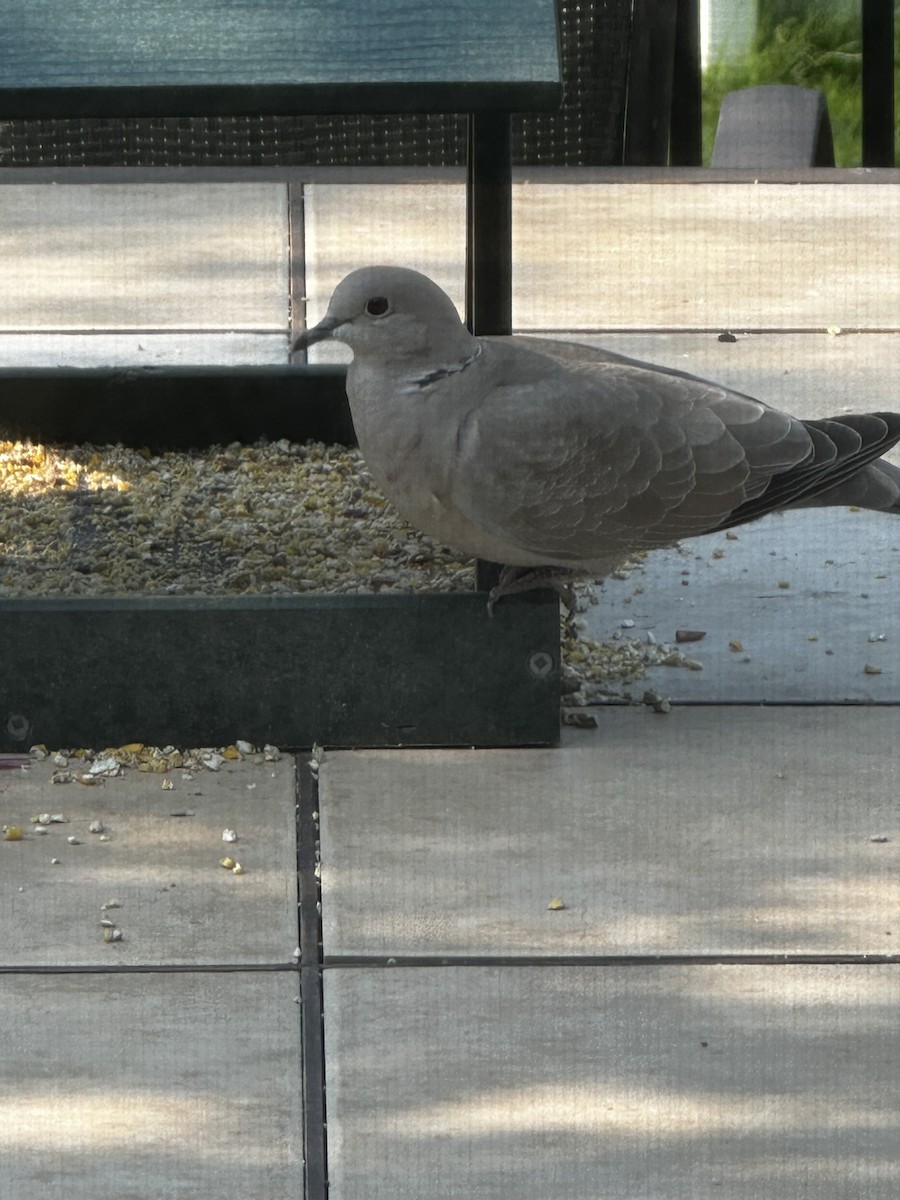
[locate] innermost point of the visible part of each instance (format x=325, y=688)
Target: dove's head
x=386, y=313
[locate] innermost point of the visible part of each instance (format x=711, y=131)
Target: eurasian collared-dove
x=536, y=453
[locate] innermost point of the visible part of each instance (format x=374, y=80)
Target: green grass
x=821, y=49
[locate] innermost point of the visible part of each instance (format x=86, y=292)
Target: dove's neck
x=421, y=382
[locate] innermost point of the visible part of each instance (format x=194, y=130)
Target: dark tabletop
x=130, y=57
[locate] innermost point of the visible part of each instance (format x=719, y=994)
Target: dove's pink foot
x=529, y=579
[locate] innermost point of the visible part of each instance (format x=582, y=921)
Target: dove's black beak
x=318, y=333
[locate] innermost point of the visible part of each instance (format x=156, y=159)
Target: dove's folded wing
x=580, y=460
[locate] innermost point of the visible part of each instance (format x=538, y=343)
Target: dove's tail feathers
x=840, y=468
x=876, y=486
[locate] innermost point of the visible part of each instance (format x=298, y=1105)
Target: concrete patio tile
x=706, y=831
x=144, y=349
x=795, y=608
x=124, y=1087
x=642, y=255
x=613, y=1083
x=177, y=905
x=151, y=256
x=708, y=255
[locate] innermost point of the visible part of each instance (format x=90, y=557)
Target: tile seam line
x=344, y=962
x=152, y=969
x=86, y=331
x=706, y=330
x=312, y=1004
x=399, y=962
x=849, y=703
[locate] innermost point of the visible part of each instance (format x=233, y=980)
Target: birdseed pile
x=276, y=518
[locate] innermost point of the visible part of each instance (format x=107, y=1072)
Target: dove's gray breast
x=411, y=430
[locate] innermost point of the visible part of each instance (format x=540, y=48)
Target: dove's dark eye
x=376, y=306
